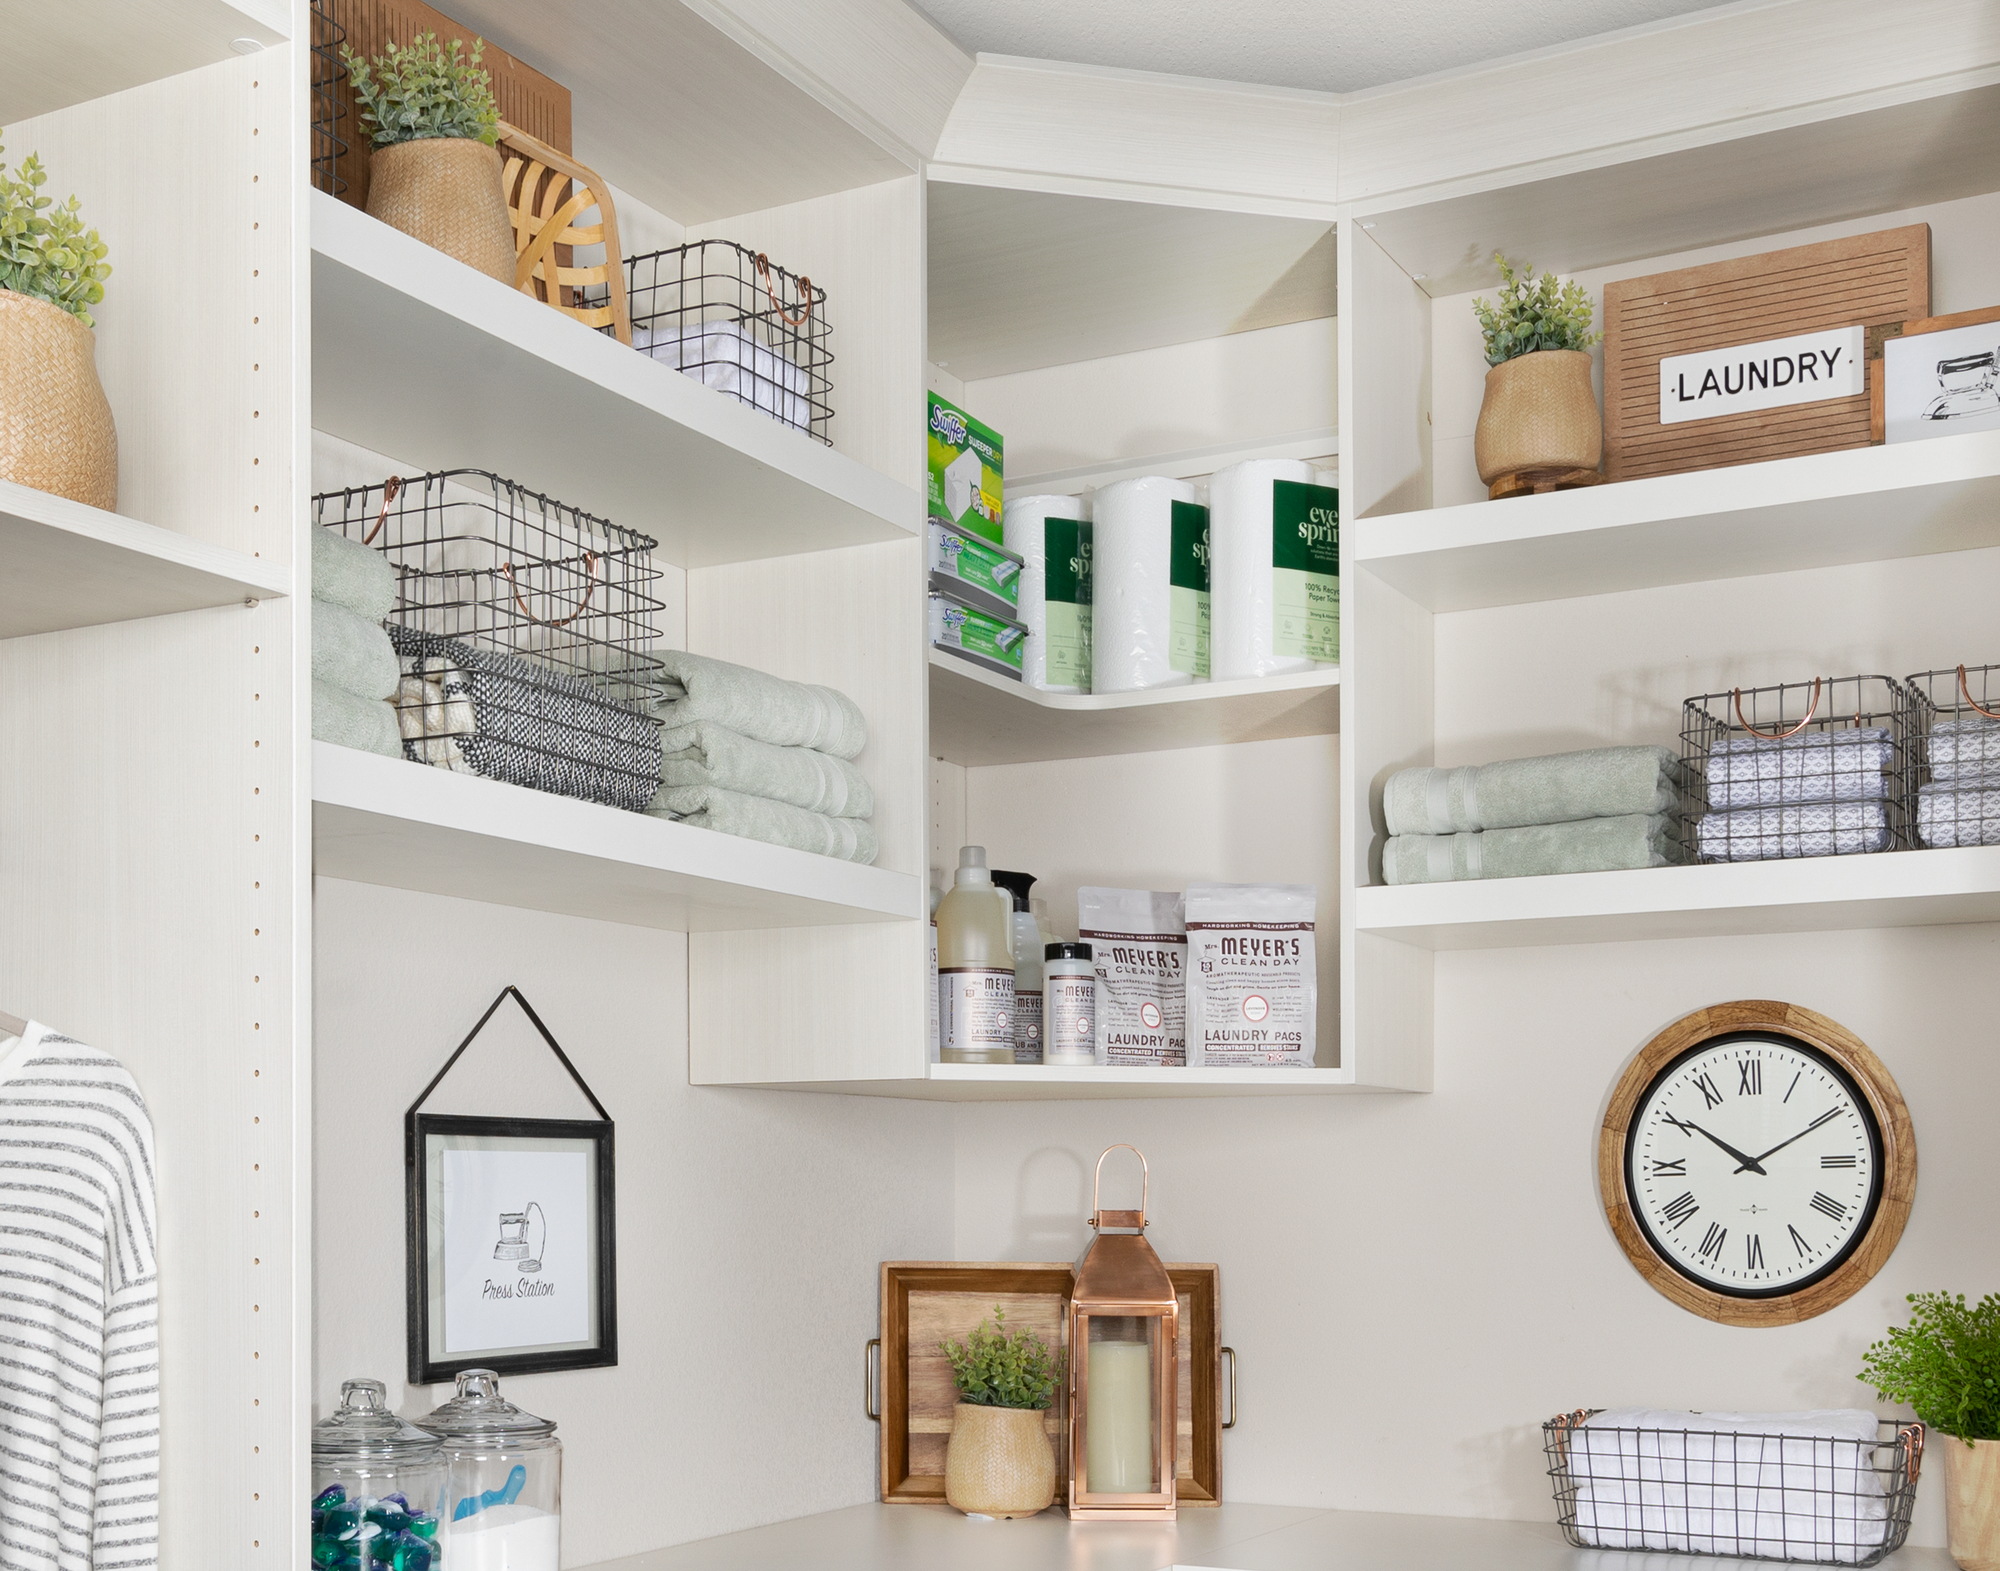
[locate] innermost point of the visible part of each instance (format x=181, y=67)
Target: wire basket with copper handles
x=1818, y=767
x=1958, y=756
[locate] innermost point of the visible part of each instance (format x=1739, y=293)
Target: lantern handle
x=1121, y=1218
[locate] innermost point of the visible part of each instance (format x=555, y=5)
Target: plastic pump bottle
x=975, y=967
x=1028, y=947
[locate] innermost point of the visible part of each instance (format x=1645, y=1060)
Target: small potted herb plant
x=1539, y=422
x=434, y=171
x=1946, y=1364
x=999, y=1461
x=56, y=432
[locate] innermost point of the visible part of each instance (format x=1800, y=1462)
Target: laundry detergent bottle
x=975, y=966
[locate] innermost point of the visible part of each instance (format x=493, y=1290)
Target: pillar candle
x=1118, y=1418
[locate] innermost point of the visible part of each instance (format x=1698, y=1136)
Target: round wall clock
x=1757, y=1163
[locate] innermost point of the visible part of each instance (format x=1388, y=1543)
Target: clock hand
x=1750, y=1163
x=1823, y=1117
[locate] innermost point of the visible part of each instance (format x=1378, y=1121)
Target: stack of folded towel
x=1961, y=805
x=751, y=754
x=1787, y=1486
x=1819, y=793
x=1590, y=812
x=353, y=667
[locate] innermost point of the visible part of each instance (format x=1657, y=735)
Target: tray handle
x=1230, y=1354
x=871, y=1379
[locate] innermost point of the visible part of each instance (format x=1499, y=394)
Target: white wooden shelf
x=384, y=821
x=1191, y=463
x=978, y=717
x=1055, y=1082
x=57, y=56
x=1808, y=895
x=418, y=355
x=1866, y=504
x=64, y=564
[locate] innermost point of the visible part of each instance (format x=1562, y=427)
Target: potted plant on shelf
x=56, y=431
x=1946, y=1364
x=999, y=1461
x=434, y=171
x=1539, y=427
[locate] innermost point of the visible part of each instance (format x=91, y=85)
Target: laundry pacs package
x=965, y=469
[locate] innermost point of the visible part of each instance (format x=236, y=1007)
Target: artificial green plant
x=993, y=1369
x=1533, y=315
x=1945, y=1363
x=45, y=251
x=423, y=90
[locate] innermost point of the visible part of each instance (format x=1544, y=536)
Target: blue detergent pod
x=332, y=1495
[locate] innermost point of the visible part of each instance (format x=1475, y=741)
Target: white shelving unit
x=979, y=717
x=71, y=565
x=385, y=821
x=416, y=354
x=1054, y=1082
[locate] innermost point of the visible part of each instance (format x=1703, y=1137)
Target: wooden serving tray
x=925, y=1302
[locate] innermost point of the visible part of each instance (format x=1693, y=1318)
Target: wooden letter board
x=926, y=1302
x=1865, y=279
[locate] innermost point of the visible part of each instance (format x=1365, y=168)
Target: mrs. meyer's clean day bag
x=1140, y=949
x=1253, y=987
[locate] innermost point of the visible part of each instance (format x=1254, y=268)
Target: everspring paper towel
x=1275, y=524
x=1041, y=530
x=1149, y=586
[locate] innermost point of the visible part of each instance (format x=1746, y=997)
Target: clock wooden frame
x=1899, y=1161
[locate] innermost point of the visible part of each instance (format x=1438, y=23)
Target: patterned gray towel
x=1761, y=834
x=1962, y=812
x=1817, y=766
x=1964, y=745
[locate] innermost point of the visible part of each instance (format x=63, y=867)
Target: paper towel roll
x=1147, y=630
x=1028, y=523
x=1276, y=536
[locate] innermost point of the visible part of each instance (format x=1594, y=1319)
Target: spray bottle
x=1028, y=947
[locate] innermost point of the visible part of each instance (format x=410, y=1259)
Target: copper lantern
x=1124, y=1338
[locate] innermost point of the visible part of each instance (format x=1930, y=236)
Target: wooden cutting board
x=1864, y=279
x=926, y=1302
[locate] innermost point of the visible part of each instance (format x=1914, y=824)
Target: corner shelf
x=418, y=355
x=980, y=718
x=1923, y=888
x=384, y=821
x=1863, y=504
x=72, y=565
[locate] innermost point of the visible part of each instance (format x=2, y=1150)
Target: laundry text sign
x=1805, y=368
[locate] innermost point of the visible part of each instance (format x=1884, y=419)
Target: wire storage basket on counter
x=523, y=628
x=737, y=322
x=1817, y=768
x=1814, y=1499
x=1958, y=764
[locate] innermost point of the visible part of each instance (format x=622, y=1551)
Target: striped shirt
x=79, y=1312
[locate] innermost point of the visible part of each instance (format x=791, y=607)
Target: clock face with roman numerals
x=1753, y=1164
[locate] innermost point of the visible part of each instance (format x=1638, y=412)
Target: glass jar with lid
x=503, y=1480
x=378, y=1487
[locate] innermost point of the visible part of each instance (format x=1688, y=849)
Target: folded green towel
x=1590, y=845
x=347, y=573
x=1600, y=782
x=768, y=708
x=760, y=818
x=347, y=720
x=706, y=754
x=352, y=653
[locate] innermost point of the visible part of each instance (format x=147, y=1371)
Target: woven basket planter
x=56, y=432
x=999, y=1462
x=1972, y=1502
x=1539, y=414
x=445, y=191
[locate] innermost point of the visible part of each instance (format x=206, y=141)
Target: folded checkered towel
x=1815, y=766
x=1963, y=745
x=1759, y=834
x=1964, y=812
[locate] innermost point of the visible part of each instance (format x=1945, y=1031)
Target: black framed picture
x=512, y=1229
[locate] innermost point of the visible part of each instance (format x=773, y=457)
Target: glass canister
x=378, y=1487
x=503, y=1480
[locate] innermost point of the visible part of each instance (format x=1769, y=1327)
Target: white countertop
x=1224, y=1538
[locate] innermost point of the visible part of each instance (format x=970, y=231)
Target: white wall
x=750, y=1223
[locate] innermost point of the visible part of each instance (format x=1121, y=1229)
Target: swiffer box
x=964, y=470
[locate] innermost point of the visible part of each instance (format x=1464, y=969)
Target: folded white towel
x=350, y=652
x=1758, y=834
x=757, y=704
x=1963, y=745
x=1794, y=1486
x=760, y=818
x=1817, y=766
x=706, y=754
x=731, y=359
x=1961, y=812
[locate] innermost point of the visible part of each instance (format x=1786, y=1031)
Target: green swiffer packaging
x=993, y=642
x=965, y=470
x=1253, y=983
x=1139, y=946
x=975, y=571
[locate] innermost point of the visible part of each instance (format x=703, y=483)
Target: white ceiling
x=1331, y=45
